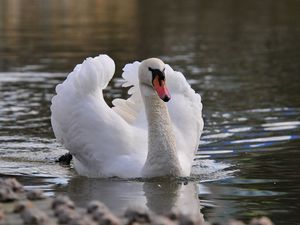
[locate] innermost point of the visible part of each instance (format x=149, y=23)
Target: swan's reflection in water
x=164, y=196
x=158, y=196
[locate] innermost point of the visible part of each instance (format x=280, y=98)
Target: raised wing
x=96, y=135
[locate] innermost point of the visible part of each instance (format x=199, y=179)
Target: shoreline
x=20, y=206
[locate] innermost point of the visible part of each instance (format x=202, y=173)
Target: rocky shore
x=20, y=206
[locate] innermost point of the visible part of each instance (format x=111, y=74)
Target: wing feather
x=95, y=134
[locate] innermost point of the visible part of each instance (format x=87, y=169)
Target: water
x=242, y=57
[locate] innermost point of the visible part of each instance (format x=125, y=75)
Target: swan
x=153, y=133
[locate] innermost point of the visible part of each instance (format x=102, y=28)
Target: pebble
x=162, y=220
x=1, y=213
x=21, y=206
x=35, y=194
x=235, y=222
x=261, y=221
x=64, y=214
x=173, y=214
x=139, y=214
x=2, y=216
x=69, y=216
x=105, y=218
x=9, y=189
x=176, y=216
x=96, y=206
x=7, y=194
x=63, y=200
x=184, y=219
x=85, y=220
x=14, y=184
x=34, y=216
x=101, y=214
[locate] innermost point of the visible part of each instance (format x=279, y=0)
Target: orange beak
x=161, y=88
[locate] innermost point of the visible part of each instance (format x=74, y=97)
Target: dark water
x=243, y=57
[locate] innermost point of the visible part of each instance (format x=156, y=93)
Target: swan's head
x=152, y=78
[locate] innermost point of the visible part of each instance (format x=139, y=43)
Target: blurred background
x=243, y=57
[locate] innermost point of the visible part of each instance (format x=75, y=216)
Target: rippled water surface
x=242, y=57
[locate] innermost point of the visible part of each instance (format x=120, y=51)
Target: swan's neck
x=162, y=159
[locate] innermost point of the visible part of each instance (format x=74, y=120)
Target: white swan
x=139, y=137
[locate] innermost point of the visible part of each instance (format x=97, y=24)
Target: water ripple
x=274, y=127
x=266, y=139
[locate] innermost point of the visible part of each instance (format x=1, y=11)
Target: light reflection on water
x=242, y=58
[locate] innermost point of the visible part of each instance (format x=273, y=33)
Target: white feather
x=114, y=141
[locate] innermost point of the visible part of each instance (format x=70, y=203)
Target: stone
x=34, y=216
x=21, y=206
x=162, y=220
x=105, y=218
x=7, y=194
x=96, y=206
x=2, y=215
x=235, y=222
x=174, y=214
x=62, y=200
x=65, y=214
x=184, y=219
x=35, y=194
x=261, y=221
x=14, y=184
x=140, y=215
x=85, y=220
